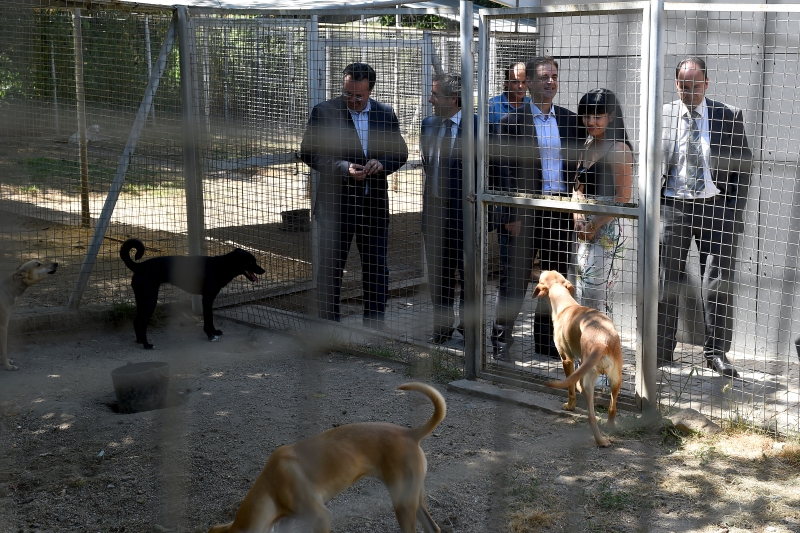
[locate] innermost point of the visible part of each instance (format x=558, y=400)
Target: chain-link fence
x=586, y=62
x=730, y=261
x=106, y=138
x=242, y=175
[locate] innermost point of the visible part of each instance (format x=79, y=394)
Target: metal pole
x=80, y=96
x=205, y=94
x=190, y=167
x=149, y=59
x=316, y=93
x=650, y=183
x=122, y=168
x=260, y=104
x=225, y=53
x=55, y=86
x=470, y=283
x=480, y=218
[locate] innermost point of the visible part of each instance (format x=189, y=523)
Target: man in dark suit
x=442, y=213
x=705, y=174
x=354, y=143
x=536, y=148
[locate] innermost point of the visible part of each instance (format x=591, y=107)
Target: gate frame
x=646, y=212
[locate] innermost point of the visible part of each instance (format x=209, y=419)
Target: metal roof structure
x=527, y=26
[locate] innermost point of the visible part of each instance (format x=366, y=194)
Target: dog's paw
x=604, y=443
x=568, y=406
x=148, y=346
x=10, y=365
x=214, y=338
x=217, y=332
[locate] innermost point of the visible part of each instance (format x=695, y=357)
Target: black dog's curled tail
x=125, y=253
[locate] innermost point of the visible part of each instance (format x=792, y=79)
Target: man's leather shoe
x=441, y=336
x=722, y=366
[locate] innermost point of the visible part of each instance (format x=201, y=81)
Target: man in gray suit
x=705, y=174
x=442, y=211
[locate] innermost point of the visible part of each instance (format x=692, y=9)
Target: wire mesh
x=536, y=153
x=256, y=80
x=46, y=194
x=735, y=297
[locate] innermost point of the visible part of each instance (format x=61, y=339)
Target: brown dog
x=300, y=478
x=11, y=288
x=588, y=335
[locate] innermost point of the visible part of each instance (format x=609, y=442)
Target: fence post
x=470, y=282
x=149, y=59
x=55, y=86
x=122, y=168
x=650, y=183
x=80, y=97
x=191, y=171
x=480, y=208
x=316, y=94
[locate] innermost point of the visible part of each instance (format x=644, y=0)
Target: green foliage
x=421, y=22
x=114, y=56
x=611, y=500
x=39, y=173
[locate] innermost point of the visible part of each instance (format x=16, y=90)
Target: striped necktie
x=695, y=170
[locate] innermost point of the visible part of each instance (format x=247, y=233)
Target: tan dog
x=300, y=478
x=11, y=287
x=588, y=335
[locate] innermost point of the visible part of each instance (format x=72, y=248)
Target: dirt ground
x=69, y=462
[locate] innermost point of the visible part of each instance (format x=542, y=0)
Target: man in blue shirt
x=513, y=97
x=539, y=143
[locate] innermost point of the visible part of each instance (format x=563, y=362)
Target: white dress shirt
x=361, y=121
x=454, y=130
x=549, y=149
x=676, y=181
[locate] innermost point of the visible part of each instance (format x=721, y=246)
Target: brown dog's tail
x=439, y=409
x=589, y=361
x=125, y=253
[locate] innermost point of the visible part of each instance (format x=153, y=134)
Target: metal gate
x=594, y=46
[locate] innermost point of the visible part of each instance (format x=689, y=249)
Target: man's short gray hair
x=450, y=85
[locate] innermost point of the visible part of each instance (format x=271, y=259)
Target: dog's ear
x=570, y=287
x=540, y=290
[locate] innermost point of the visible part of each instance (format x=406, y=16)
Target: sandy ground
x=69, y=462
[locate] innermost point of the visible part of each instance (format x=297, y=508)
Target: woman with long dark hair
x=604, y=174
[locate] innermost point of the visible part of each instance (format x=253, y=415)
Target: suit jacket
x=730, y=157
x=450, y=185
x=516, y=166
x=331, y=143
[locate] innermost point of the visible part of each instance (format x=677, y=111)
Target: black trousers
x=709, y=223
x=549, y=233
x=443, y=232
x=362, y=217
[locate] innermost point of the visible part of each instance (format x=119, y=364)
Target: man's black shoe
x=502, y=353
x=441, y=336
x=722, y=366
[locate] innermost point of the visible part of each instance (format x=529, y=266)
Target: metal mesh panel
x=272, y=185
x=588, y=52
x=741, y=259
x=48, y=197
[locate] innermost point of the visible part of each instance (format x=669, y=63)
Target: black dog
x=194, y=274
